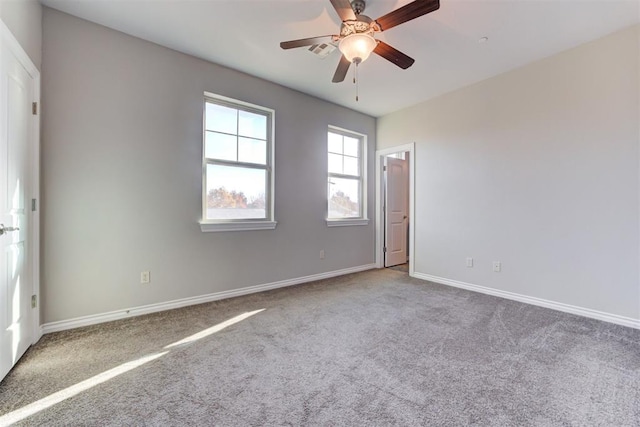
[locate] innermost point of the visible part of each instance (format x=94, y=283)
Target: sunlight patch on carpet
x=212, y=330
x=59, y=396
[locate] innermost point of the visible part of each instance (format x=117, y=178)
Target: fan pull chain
x=355, y=79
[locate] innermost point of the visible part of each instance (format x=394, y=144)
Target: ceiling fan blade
x=341, y=71
x=344, y=9
x=306, y=42
x=393, y=55
x=407, y=13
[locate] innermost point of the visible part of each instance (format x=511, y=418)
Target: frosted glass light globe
x=357, y=47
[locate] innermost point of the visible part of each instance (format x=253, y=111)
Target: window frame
x=362, y=219
x=240, y=224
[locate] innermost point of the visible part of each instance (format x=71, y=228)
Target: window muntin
x=345, y=176
x=237, y=158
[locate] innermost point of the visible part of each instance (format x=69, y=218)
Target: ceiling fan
x=356, y=39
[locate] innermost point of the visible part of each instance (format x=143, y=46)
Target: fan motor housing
x=362, y=24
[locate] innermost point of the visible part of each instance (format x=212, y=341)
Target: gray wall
x=536, y=168
x=24, y=20
x=121, y=158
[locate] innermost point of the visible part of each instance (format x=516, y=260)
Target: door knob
x=4, y=230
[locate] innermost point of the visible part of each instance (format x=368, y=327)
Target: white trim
x=153, y=308
x=347, y=222
x=580, y=311
x=9, y=41
x=12, y=43
x=234, y=101
x=208, y=227
x=380, y=155
x=35, y=215
x=638, y=177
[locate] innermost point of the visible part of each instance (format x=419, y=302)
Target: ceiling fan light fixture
x=357, y=47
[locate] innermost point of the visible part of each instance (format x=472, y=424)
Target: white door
x=16, y=285
x=396, y=207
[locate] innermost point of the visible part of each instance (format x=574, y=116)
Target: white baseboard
x=169, y=305
x=580, y=311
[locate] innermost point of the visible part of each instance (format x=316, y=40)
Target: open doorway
x=394, y=207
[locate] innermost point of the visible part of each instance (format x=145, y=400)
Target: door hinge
x=34, y=108
x=384, y=249
x=34, y=301
x=384, y=168
x=33, y=205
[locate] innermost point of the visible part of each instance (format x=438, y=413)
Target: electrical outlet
x=469, y=262
x=321, y=253
x=497, y=266
x=145, y=277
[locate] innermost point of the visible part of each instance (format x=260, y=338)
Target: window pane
x=335, y=163
x=252, y=151
x=236, y=192
x=350, y=166
x=351, y=146
x=220, y=146
x=344, y=198
x=221, y=119
x=335, y=143
x=252, y=125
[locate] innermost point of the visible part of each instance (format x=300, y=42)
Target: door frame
x=380, y=192
x=33, y=171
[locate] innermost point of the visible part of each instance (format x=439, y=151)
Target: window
x=237, y=166
x=346, y=183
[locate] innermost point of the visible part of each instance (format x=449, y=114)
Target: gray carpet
x=401, y=267
x=374, y=348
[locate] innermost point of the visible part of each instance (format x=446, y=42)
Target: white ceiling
x=245, y=35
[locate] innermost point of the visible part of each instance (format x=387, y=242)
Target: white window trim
x=207, y=225
x=347, y=222
x=364, y=219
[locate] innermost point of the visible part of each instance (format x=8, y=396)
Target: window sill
x=208, y=227
x=347, y=222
